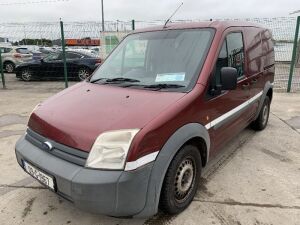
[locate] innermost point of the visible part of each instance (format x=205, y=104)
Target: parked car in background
x=46, y=51
x=80, y=65
x=36, y=55
x=14, y=56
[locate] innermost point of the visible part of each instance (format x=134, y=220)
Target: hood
x=78, y=115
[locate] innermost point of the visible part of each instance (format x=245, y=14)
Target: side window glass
x=222, y=61
x=235, y=48
x=60, y=56
x=71, y=55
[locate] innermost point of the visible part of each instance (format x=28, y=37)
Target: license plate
x=39, y=175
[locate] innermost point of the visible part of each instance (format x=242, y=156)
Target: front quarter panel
x=163, y=160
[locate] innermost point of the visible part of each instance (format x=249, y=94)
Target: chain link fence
x=44, y=39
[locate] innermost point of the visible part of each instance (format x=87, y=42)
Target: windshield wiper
x=94, y=81
x=122, y=79
x=115, y=80
x=163, y=86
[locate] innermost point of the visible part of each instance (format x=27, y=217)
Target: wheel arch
x=270, y=93
x=200, y=144
x=9, y=61
x=192, y=133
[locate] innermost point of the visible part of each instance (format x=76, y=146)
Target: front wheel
x=9, y=67
x=262, y=120
x=26, y=75
x=83, y=73
x=181, y=180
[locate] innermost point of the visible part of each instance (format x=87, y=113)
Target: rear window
x=22, y=51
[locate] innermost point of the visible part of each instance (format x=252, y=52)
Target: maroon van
x=135, y=136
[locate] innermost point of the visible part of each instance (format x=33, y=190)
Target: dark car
x=162, y=105
x=80, y=64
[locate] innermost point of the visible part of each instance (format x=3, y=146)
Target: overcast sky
x=145, y=10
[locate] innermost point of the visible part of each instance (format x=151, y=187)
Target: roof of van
x=209, y=24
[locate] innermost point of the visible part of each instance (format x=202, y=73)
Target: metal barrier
x=1, y=70
x=88, y=36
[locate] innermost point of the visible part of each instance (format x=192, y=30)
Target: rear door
x=52, y=66
x=229, y=113
x=73, y=63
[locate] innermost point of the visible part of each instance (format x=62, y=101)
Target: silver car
x=14, y=56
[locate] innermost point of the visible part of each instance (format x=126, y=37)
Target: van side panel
x=268, y=56
x=254, y=63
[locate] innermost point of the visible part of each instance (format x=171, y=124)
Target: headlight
x=110, y=149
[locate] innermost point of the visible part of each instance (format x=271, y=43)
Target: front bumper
x=114, y=193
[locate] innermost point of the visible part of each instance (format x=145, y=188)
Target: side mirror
x=229, y=78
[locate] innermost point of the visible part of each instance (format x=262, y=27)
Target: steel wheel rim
x=83, y=74
x=265, y=114
x=9, y=68
x=26, y=75
x=184, y=179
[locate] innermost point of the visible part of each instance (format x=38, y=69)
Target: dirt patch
x=51, y=208
x=232, y=202
x=202, y=189
x=275, y=155
x=160, y=219
x=28, y=207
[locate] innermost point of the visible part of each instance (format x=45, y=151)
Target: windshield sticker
x=167, y=77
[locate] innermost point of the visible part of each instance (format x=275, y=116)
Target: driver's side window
x=222, y=61
x=231, y=55
x=53, y=57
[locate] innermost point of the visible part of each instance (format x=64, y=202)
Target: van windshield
x=168, y=60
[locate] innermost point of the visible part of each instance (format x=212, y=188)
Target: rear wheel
x=26, y=74
x=181, y=180
x=83, y=73
x=9, y=67
x=262, y=120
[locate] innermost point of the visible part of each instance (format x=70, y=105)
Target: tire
x=26, y=74
x=262, y=120
x=9, y=67
x=83, y=73
x=181, y=180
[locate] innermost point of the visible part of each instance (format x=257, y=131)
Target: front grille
x=61, y=151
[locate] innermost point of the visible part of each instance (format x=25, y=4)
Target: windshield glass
x=164, y=59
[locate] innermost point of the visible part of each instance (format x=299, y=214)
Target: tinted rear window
x=22, y=51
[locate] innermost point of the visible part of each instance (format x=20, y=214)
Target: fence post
x=1, y=70
x=133, y=24
x=293, y=55
x=64, y=53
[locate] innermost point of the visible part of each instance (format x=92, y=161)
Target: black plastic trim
x=61, y=151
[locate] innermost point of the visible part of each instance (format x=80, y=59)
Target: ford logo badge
x=47, y=146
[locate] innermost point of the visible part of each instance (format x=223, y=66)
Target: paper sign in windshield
x=167, y=77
